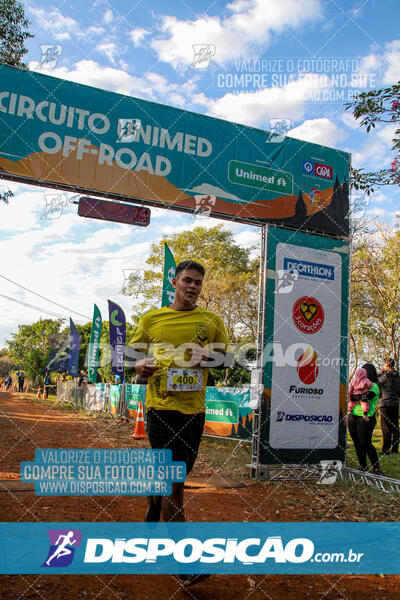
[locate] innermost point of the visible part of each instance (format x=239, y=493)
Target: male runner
x=185, y=339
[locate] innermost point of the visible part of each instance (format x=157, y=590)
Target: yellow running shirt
x=168, y=334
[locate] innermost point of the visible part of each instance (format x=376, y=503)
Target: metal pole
x=260, y=351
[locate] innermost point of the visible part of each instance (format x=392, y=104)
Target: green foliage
x=13, y=33
x=30, y=347
x=374, y=107
x=375, y=296
x=32, y=337
x=6, y=364
x=230, y=285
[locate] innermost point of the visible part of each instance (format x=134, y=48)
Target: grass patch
x=390, y=465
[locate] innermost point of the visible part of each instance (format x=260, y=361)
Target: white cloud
x=248, y=237
x=387, y=133
x=379, y=197
x=152, y=85
x=252, y=23
x=392, y=60
x=255, y=109
x=108, y=16
x=377, y=212
x=138, y=35
x=60, y=26
x=387, y=63
x=109, y=50
x=348, y=119
x=319, y=131
x=373, y=155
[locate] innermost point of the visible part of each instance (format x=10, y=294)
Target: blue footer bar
x=225, y=548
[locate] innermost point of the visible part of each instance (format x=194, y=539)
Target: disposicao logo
x=306, y=268
x=62, y=547
x=305, y=418
x=193, y=550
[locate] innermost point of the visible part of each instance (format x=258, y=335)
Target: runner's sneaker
x=377, y=472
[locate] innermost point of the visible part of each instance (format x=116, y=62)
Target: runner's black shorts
x=175, y=430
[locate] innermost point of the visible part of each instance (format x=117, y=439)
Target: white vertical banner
x=305, y=386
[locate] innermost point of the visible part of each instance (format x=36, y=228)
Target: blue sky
x=271, y=59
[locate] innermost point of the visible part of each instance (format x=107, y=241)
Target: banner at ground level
x=101, y=396
x=305, y=350
x=228, y=412
x=134, y=394
x=213, y=548
x=60, y=133
x=115, y=395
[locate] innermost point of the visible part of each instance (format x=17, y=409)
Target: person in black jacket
x=21, y=381
x=389, y=383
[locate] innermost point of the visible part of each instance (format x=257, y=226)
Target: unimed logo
x=192, y=550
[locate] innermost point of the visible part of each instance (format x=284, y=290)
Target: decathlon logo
x=305, y=268
x=317, y=169
x=193, y=550
x=62, y=547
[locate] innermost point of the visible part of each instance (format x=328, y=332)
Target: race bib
x=184, y=380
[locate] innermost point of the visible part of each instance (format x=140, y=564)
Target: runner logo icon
x=62, y=547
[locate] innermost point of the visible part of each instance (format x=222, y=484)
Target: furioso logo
x=307, y=367
x=308, y=314
x=62, y=547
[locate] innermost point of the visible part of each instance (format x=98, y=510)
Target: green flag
x=94, y=345
x=168, y=292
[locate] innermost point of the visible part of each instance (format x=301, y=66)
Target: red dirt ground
x=26, y=425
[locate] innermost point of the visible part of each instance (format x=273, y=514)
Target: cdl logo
x=317, y=169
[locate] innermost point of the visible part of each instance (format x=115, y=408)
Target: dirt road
x=26, y=425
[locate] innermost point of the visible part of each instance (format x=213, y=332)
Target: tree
x=13, y=33
x=30, y=347
x=375, y=296
x=374, y=107
x=230, y=285
x=6, y=364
